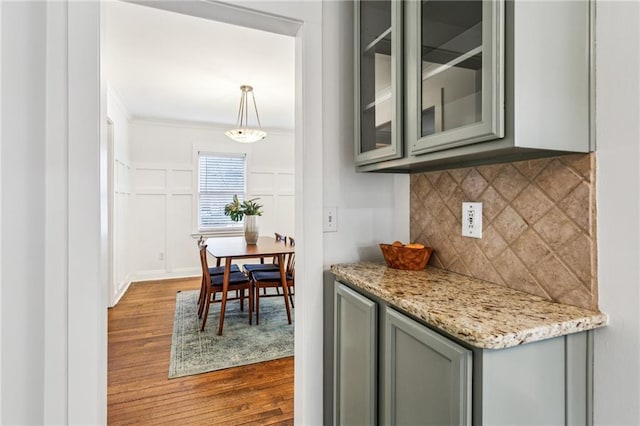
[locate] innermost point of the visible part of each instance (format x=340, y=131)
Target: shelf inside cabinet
x=433, y=71
x=438, y=51
x=383, y=135
x=382, y=96
x=381, y=44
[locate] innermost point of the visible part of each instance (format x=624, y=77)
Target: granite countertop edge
x=498, y=318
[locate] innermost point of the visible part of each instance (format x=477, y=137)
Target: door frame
x=111, y=214
x=77, y=387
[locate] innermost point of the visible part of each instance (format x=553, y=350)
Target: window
x=220, y=176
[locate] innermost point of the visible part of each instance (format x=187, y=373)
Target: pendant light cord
x=256, y=108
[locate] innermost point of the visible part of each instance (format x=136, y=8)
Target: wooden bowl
x=412, y=259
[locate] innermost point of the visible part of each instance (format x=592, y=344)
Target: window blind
x=220, y=177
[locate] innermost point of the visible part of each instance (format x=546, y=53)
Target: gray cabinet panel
x=378, y=69
x=454, y=73
x=427, y=377
x=579, y=372
x=355, y=368
x=551, y=81
x=524, y=385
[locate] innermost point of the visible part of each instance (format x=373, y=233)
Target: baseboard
x=165, y=275
x=152, y=276
x=122, y=289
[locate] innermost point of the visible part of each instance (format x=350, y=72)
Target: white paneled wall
x=164, y=192
x=163, y=244
x=149, y=217
x=276, y=192
x=121, y=272
x=121, y=210
x=161, y=241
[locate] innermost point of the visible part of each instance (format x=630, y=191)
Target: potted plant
x=249, y=210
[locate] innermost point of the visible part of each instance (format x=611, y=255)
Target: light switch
x=330, y=219
x=472, y=220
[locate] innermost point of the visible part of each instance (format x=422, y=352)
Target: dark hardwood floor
x=140, y=329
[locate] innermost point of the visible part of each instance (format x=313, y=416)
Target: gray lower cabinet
x=391, y=369
x=427, y=377
x=356, y=346
x=540, y=383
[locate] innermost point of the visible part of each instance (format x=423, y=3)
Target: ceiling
x=165, y=65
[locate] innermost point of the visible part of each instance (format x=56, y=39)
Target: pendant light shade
x=243, y=133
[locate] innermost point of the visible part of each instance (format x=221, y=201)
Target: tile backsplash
x=539, y=225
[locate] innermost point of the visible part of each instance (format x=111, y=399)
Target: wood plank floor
x=140, y=329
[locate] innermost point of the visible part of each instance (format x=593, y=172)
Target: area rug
x=195, y=352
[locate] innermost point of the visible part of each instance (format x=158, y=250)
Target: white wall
x=164, y=169
x=617, y=347
x=121, y=210
x=53, y=307
x=372, y=208
x=1, y=180
x=23, y=212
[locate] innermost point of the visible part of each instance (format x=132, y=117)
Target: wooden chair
x=273, y=266
x=272, y=279
x=291, y=286
x=238, y=282
x=215, y=270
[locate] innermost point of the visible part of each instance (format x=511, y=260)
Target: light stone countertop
x=480, y=313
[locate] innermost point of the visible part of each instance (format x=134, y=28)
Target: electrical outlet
x=472, y=220
x=161, y=256
x=330, y=219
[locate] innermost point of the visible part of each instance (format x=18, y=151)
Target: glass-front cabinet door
x=378, y=80
x=454, y=73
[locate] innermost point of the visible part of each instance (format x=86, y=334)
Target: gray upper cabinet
x=492, y=81
x=454, y=73
x=378, y=80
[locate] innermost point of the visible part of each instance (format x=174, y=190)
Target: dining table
x=233, y=248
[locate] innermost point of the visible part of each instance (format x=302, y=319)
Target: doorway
x=111, y=214
x=160, y=176
x=85, y=357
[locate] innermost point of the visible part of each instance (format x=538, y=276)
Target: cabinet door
x=355, y=363
x=454, y=63
x=427, y=376
x=378, y=80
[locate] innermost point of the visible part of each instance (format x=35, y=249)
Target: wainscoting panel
x=150, y=180
x=162, y=216
x=149, y=232
x=181, y=247
x=276, y=191
x=285, y=220
x=286, y=183
x=180, y=180
x=121, y=229
x=261, y=182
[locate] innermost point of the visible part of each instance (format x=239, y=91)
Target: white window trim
x=234, y=231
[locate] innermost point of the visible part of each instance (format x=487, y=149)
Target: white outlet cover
x=472, y=220
x=330, y=219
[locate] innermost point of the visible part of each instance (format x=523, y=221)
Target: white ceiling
x=171, y=66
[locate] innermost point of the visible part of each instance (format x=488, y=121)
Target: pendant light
x=243, y=133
